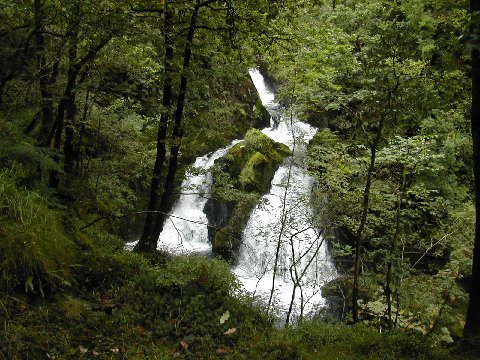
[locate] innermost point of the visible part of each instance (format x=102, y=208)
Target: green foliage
x=188, y=308
x=317, y=340
x=35, y=250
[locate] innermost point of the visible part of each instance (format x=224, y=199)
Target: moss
x=255, y=173
x=246, y=173
x=254, y=144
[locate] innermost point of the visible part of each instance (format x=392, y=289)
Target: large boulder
x=242, y=176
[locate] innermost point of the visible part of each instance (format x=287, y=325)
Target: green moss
x=256, y=173
x=246, y=173
x=256, y=149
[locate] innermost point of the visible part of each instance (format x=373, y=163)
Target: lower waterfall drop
x=186, y=231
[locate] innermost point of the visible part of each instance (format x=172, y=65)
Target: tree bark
x=67, y=102
x=44, y=74
x=168, y=192
x=472, y=322
x=148, y=241
x=393, y=248
x=363, y=220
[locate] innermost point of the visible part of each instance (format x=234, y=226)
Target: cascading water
x=279, y=239
x=281, y=248
x=186, y=231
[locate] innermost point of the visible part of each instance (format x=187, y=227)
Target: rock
x=249, y=167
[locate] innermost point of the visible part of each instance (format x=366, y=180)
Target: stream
x=279, y=238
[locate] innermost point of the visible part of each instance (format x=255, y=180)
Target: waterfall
x=280, y=224
x=186, y=231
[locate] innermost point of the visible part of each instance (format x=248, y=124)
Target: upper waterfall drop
x=266, y=96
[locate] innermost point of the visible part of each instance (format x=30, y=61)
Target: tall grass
x=34, y=249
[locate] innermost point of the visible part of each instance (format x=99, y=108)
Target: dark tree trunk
x=168, y=192
x=33, y=124
x=66, y=103
x=472, y=323
x=363, y=221
x=81, y=133
x=44, y=74
x=393, y=249
x=69, y=147
x=148, y=241
x=2, y=85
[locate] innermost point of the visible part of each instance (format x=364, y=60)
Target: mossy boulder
x=243, y=175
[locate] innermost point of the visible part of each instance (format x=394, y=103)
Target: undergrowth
x=35, y=252
x=67, y=294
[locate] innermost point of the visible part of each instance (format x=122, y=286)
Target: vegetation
x=103, y=106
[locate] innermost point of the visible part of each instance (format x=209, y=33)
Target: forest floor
x=129, y=306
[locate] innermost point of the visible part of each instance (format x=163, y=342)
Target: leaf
x=230, y=331
x=224, y=317
x=184, y=344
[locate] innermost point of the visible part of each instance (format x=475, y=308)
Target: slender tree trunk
x=472, y=323
x=363, y=220
x=69, y=147
x=283, y=220
x=148, y=241
x=81, y=134
x=44, y=74
x=67, y=103
x=393, y=249
x=168, y=192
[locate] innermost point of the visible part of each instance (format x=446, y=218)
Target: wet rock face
x=218, y=214
x=244, y=175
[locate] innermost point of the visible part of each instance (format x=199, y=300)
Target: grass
x=35, y=251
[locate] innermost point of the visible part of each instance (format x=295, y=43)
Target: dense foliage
x=104, y=104
x=388, y=82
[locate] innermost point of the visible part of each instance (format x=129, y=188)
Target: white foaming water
x=281, y=227
x=282, y=221
x=265, y=94
x=185, y=231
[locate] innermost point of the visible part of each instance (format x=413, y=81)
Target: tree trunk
x=168, y=191
x=69, y=147
x=148, y=241
x=472, y=322
x=363, y=220
x=393, y=248
x=67, y=103
x=44, y=74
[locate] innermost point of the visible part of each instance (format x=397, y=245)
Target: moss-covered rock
x=242, y=177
